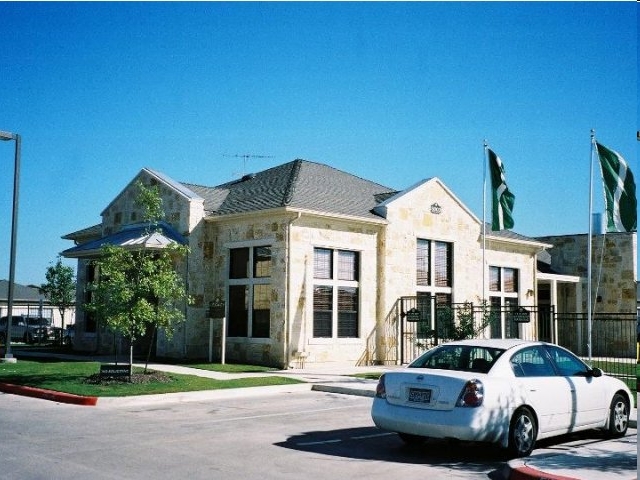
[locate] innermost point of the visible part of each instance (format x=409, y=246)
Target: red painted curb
x=48, y=394
x=528, y=473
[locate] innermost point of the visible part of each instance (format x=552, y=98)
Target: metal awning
x=139, y=236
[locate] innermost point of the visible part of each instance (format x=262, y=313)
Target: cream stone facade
x=614, y=270
x=324, y=256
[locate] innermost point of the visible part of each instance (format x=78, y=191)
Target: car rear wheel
x=523, y=432
x=411, y=439
x=618, y=416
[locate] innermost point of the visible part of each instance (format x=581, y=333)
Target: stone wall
x=180, y=212
x=291, y=341
x=614, y=271
x=310, y=232
x=411, y=217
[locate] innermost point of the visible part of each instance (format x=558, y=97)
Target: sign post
x=217, y=310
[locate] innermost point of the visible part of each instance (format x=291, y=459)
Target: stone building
x=613, y=290
x=614, y=271
x=311, y=263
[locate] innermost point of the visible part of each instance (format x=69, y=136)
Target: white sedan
x=508, y=392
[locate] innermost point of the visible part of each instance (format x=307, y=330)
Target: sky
x=391, y=92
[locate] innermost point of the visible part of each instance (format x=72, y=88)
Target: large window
x=434, y=263
x=503, y=280
x=250, y=292
x=434, y=282
x=335, y=293
x=503, y=298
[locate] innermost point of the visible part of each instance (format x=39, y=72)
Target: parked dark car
x=27, y=329
x=42, y=330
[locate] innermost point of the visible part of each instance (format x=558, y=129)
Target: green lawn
x=72, y=377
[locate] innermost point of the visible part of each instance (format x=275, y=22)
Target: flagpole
x=590, y=247
x=484, y=223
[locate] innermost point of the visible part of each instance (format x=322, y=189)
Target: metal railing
x=416, y=324
x=614, y=346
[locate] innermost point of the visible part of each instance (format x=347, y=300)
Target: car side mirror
x=595, y=372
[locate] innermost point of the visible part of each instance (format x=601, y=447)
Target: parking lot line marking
x=338, y=440
x=373, y=435
x=278, y=414
x=320, y=442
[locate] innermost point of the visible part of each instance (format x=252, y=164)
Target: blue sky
x=391, y=92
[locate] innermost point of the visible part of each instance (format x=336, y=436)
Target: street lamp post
x=6, y=136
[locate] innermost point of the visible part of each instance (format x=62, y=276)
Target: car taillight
x=381, y=391
x=472, y=394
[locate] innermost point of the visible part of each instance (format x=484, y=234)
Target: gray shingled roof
x=508, y=234
x=94, y=231
x=21, y=293
x=299, y=184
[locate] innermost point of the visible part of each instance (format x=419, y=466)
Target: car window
x=467, y=358
x=532, y=362
x=568, y=365
x=44, y=322
x=15, y=321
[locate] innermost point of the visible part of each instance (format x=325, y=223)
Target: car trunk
x=426, y=389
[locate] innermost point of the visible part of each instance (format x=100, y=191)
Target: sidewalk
x=592, y=459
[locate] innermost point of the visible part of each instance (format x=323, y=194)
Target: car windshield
x=43, y=322
x=465, y=358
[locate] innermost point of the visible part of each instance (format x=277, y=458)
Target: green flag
x=619, y=191
x=502, y=198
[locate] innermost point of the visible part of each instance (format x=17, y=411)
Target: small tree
x=60, y=288
x=139, y=289
x=460, y=322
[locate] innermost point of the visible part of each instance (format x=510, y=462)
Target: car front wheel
x=523, y=432
x=618, y=416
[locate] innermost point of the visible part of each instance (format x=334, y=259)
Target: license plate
x=419, y=395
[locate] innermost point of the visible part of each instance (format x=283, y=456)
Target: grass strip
x=73, y=377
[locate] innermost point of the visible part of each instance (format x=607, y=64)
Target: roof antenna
x=246, y=157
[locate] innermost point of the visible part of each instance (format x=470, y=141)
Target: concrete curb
x=344, y=389
x=522, y=472
x=48, y=394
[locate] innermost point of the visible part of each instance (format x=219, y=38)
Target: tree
x=460, y=322
x=60, y=288
x=139, y=289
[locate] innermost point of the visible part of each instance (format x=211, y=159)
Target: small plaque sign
x=521, y=315
x=115, y=370
x=413, y=315
x=216, y=309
